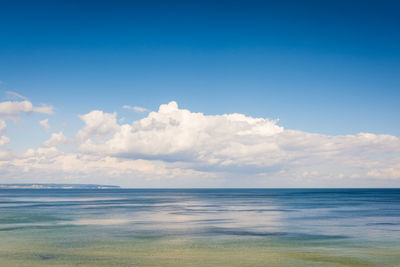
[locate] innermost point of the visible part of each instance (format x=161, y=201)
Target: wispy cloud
x=15, y=95
x=136, y=108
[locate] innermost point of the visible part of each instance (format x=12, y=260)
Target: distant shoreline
x=57, y=186
x=98, y=186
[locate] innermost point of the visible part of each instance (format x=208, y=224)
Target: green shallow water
x=175, y=228
x=35, y=251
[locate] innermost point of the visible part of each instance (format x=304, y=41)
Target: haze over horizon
x=200, y=94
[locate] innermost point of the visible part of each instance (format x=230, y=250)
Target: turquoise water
x=200, y=227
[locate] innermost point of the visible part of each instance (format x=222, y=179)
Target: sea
x=200, y=227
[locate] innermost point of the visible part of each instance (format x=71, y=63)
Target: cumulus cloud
x=135, y=108
x=98, y=126
x=4, y=140
x=180, y=135
x=44, y=109
x=385, y=173
x=234, y=142
x=172, y=143
x=9, y=108
x=13, y=110
x=15, y=107
x=53, y=165
x=45, y=124
x=56, y=139
x=3, y=126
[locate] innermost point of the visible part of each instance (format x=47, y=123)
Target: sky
x=200, y=93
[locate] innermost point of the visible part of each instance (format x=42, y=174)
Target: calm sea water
x=200, y=227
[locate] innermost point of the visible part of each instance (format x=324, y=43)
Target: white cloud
x=56, y=139
x=180, y=135
x=12, y=110
x=98, y=125
x=15, y=107
x=15, y=95
x=235, y=142
x=392, y=172
x=53, y=165
x=4, y=140
x=9, y=108
x=135, y=108
x=174, y=144
x=44, y=109
x=45, y=124
x=3, y=126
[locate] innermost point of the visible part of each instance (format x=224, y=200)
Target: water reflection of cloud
x=59, y=199
x=100, y=221
x=200, y=216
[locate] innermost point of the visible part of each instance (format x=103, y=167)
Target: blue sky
x=326, y=67
x=330, y=67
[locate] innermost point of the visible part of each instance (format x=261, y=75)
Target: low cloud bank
x=174, y=143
